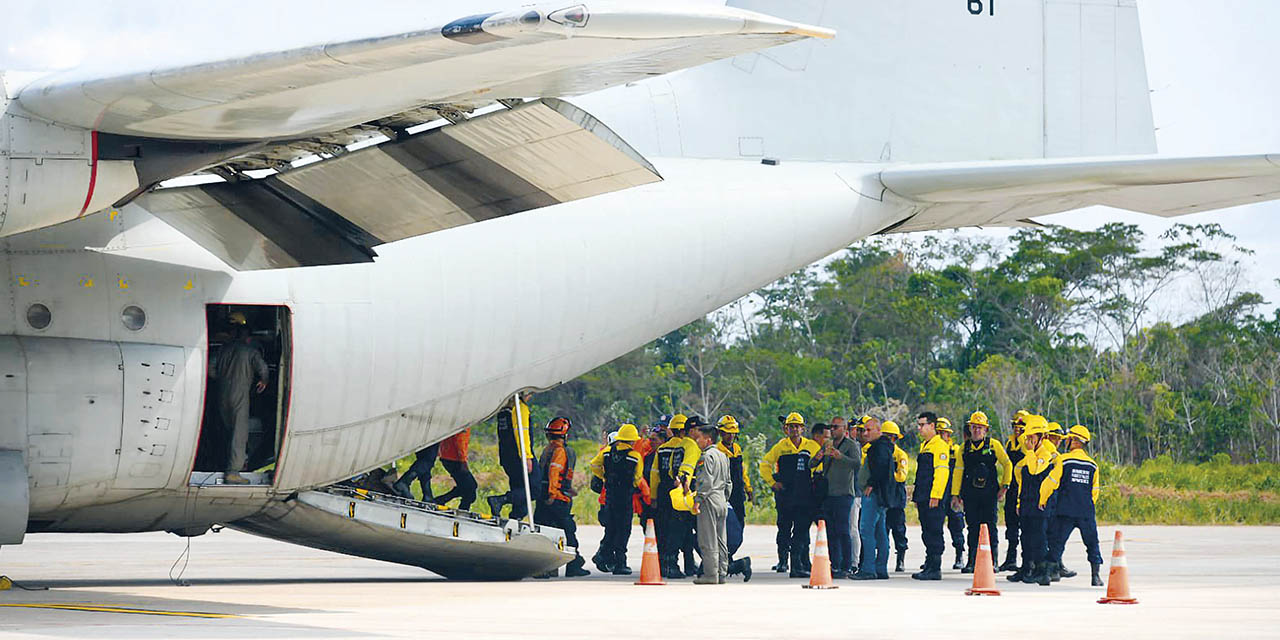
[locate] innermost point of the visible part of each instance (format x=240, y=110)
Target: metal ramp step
x=455, y=544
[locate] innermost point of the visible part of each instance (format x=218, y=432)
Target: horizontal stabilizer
x=1008, y=193
x=336, y=210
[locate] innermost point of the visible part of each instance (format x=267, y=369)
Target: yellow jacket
x=785, y=447
x=687, y=464
x=737, y=453
x=902, y=461
x=1054, y=480
x=1035, y=462
x=935, y=467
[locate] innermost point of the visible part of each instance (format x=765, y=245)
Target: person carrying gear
x=453, y=457
x=877, y=491
x=1013, y=446
x=620, y=467
x=1035, y=493
x=955, y=516
x=711, y=505
x=239, y=371
x=739, y=491
x=423, y=462
x=671, y=469
x=933, y=468
x=514, y=450
x=981, y=477
x=842, y=458
x=689, y=528
x=896, y=512
x=555, y=493
x=788, y=469
x=1076, y=481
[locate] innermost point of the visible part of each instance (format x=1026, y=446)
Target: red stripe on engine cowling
x=93, y=171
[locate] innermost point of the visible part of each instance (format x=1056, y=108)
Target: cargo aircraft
x=418, y=209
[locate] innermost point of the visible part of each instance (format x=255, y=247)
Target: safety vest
x=620, y=472
x=544, y=463
x=737, y=473
x=1016, y=454
x=669, y=457
x=981, y=474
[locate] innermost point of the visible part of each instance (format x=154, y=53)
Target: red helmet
x=558, y=426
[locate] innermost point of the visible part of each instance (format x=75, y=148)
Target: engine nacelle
x=50, y=173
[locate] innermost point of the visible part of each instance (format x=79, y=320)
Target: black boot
x=1030, y=573
x=1097, y=579
x=1054, y=575
x=959, y=563
x=746, y=569
x=968, y=567
x=1016, y=576
x=671, y=568
x=1044, y=577
x=602, y=562
x=575, y=568
x=932, y=570
x=496, y=503
x=1065, y=572
x=781, y=567
x=1010, y=559
x=797, y=567
x=898, y=564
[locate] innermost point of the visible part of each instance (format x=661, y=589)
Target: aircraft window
x=39, y=316
x=133, y=317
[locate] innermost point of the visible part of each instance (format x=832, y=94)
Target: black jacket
x=880, y=469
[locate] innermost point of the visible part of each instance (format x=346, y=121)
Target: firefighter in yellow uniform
x=896, y=512
x=1035, y=497
x=980, y=480
x=955, y=513
x=1013, y=446
x=673, y=467
x=620, y=467
x=788, y=469
x=1076, y=482
x=933, y=469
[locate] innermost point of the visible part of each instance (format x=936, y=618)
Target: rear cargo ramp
x=454, y=544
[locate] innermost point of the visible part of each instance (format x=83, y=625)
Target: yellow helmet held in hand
x=943, y=425
x=681, y=501
x=979, y=418
x=628, y=433
x=1079, y=432
x=728, y=424
x=793, y=418
x=890, y=427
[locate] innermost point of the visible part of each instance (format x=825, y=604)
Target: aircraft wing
x=532, y=51
x=949, y=196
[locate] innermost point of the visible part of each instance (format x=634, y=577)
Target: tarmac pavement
x=1191, y=582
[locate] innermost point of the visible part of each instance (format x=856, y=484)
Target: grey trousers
x=855, y=550
x=713, y=540
x=234, y=411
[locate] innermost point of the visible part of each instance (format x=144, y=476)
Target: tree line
x=1155, y=344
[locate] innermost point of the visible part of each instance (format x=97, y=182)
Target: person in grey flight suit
x=711, y=505
x=240, y=367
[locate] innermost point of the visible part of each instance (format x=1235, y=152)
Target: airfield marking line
x=110, y=609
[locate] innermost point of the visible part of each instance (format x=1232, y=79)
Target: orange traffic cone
x=650, y=572
x=820, y=574
x=1118, y=580
x=984, y=576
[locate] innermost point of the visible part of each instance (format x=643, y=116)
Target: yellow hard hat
x=979, y=418
x=944, y=425
x=727, y=424
x=681, y=501
x=677, y=422
x=237, y=317
x=1079, y=432
x=1034, y=424
x=1055, y=429
x=1020, y=417
x=794, y=418
x=890, y=427
x=864, y=420
x=628, y=433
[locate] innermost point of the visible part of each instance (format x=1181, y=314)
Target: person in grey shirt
x=842, y=456
x=711, y=505
x=240, y=368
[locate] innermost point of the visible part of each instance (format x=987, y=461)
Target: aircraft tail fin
x=929, y=81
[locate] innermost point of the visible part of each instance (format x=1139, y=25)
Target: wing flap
x=335, y=211
x=1003, y=193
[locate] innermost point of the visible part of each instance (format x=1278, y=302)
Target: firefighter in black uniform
x=514, y=450
x=1035, y=494
x=1013, y=446
x=788, y=469
x=1077, y=494
x=933, y=468
x=955, y=516
x=979, y=482
x=619, y=466
x=673, y=467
